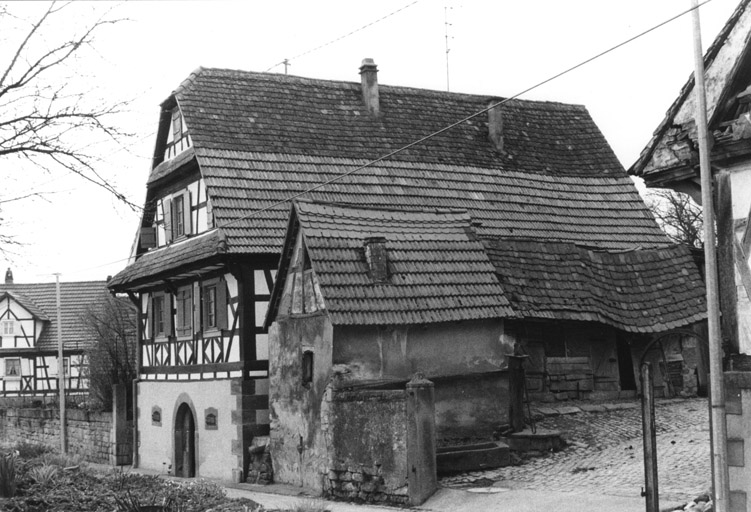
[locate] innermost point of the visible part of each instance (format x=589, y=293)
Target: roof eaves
x=637, y=167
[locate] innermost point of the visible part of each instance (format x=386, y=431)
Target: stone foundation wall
x=88, y=433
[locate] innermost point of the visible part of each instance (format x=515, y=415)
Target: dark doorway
x=185, y=442
x=625, y=365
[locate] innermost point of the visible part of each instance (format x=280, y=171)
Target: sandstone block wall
x=88, y=433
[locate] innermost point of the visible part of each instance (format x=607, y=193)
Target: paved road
x=605, y=454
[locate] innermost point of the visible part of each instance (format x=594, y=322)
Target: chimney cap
x=367, y=64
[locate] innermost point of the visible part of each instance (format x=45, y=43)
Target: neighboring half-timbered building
x=29, y=335
x=234, y=147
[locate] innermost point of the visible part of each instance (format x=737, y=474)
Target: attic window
x=9, y=327
x=178, y=138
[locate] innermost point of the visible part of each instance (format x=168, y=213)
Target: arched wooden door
x=185, y=442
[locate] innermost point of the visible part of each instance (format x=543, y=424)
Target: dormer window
x=178, y=138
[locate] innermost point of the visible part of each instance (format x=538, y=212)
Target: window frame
x=12, y=324
x=184, y=311
x=156, y=320
x=308, y=362
x=210, y=307
x=178, y=216
x=219, y=307
x=20, y=370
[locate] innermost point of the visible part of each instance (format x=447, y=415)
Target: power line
x=446, y=128
x=286, y=62
x=465, y=119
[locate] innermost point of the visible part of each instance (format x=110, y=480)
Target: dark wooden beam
x=726, y=262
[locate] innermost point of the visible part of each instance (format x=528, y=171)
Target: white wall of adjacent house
x=18, y=328
x=740, y=181
x=195, y=219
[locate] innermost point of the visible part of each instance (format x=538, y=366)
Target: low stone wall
x=368, y=432
x=88, y=433
x=382, y=444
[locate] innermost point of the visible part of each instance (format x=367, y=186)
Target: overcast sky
x=496, y=48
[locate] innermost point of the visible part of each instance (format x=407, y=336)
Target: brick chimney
x=369, y=78
x=495, y=125
x=377, y=258
x=9, y=276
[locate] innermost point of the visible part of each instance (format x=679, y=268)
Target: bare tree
x=112, y=359
x=46, y=117
x=678, y=216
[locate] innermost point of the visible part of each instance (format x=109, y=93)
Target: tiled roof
x=260, y=138
x=638, y=291
x=272, y=113
x=76, y=299
x=172, y=256
x=601, y=211
x=438, y=272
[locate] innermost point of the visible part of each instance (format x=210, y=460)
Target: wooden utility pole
x=61, y=370
x=718, y=427
x=649, y=433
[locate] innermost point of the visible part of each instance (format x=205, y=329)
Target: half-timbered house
x=29, y=332
x=234, y=147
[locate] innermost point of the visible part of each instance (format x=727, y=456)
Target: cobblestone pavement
x=605, y=454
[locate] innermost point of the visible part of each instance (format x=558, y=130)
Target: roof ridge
x=278, y=77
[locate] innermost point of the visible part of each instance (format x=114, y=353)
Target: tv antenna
x=446, y=32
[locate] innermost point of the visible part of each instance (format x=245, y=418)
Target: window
x=209, y=303
x=214, y=304
x=307, y=368
x=184, y=311
x=9, y=327
x=158, y=316
x=178, y=213
x=178, y=138
x=13, y=368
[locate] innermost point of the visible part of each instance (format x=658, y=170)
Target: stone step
x=539, y=441
x=473, y=457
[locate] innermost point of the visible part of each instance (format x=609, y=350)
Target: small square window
x=9, y=327
x=13, y=368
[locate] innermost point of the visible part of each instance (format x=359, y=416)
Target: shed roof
x=637, y=291
x=76, y=298
x=438, y=270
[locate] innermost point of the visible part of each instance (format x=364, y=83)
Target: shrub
x=311, y=505
x=44, y=474
x=8, y=475
x=28, y=451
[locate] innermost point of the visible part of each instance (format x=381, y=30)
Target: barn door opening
x=625, y=364
x=185, y=442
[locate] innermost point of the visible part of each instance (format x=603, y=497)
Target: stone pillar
x=738, y=418
x=121, y=447
x=421, y=443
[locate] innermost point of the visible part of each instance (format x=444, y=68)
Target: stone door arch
x=185, y=442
